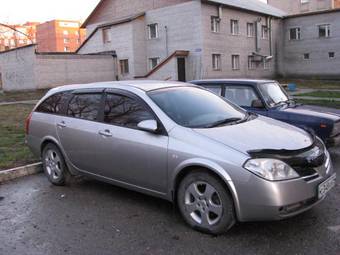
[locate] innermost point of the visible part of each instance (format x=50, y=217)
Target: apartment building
x=59, y=36
x=14, y=36
x=184, y=40
x=303, y=6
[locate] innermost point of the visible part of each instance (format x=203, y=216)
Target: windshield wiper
x=222, y=122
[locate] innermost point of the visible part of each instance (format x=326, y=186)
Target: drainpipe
x=257, y=35
x=115, y=65
x=270, y=37
x=166, y=41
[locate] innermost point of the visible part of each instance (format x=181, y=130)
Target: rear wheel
x=205, y=203
x=54, y=165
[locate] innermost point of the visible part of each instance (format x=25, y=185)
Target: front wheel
x=54, y=165
x=205, y=203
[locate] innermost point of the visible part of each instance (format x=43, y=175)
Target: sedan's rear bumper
x=262, y=200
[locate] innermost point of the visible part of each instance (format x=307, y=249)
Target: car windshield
x=196, y=108
x=273, y=94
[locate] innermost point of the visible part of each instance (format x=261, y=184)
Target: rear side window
x=125, y=111
x=54, y=103
x=84, y=106
x=241, y=95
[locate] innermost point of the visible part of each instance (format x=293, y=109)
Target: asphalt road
x=89, y=217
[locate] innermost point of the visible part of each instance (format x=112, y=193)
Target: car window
x=84, y=106
x=215, y=89
x=194, y=107
x=125, y=111
x=54, y=103
x=241, y=95
x=273, y=93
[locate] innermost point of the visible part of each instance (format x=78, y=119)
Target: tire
x=205, y=203
x=54, y=165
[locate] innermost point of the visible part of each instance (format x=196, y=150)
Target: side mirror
x=148, y=125
x=257, y=103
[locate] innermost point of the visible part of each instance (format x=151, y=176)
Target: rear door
x=78, y=130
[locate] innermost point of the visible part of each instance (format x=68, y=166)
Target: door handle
x=105, y=133
x=61, y=124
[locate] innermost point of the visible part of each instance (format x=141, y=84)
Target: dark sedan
x=268, y=98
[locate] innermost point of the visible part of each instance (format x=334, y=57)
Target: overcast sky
x=20, y=11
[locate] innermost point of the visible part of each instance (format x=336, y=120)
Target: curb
x=18, y=172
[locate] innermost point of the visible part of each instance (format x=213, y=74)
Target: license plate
x=326, y=186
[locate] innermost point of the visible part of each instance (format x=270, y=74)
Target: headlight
x=271, y=169
x=336, y=129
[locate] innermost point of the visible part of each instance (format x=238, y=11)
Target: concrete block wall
x=24, y=69
x=17, y=69
x=319, y=65
x=57, y=70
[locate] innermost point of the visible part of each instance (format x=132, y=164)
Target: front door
x=181, y=69
x=130, y=155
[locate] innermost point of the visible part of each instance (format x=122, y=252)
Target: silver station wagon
x=180, y=142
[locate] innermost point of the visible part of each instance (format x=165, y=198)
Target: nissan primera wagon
x=180, y=142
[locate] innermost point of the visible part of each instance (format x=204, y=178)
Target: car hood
x=261, y=133
x=315, y=111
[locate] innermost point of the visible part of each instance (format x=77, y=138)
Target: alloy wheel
x=203, y=203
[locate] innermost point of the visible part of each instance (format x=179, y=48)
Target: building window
x=216, y=62
x=76, y=33
x=324, y=31
x=215, y=24
x=235, y=62
x=234, y=28
x=66, y=40
x=251, y=63
x=331, y=55
x=250, y=29
x=153, y=62
x=306, y=56
x=66, y=49
x=265, y=64
x=264, y=32
x=153, y=31
x=106, y=35
x=295, y=34
x=78, y=41
x=124, y=66
x=65, y=32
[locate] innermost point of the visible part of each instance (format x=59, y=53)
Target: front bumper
x=262, y=200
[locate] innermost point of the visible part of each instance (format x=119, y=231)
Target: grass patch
x=22, y=95
x=326, y=103
x=312, y=84
x=13, y=151
x=325, y=94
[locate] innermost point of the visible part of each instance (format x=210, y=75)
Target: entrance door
x=181, y=69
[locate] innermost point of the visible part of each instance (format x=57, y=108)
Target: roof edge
x=312, y=13
x=110, y=24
